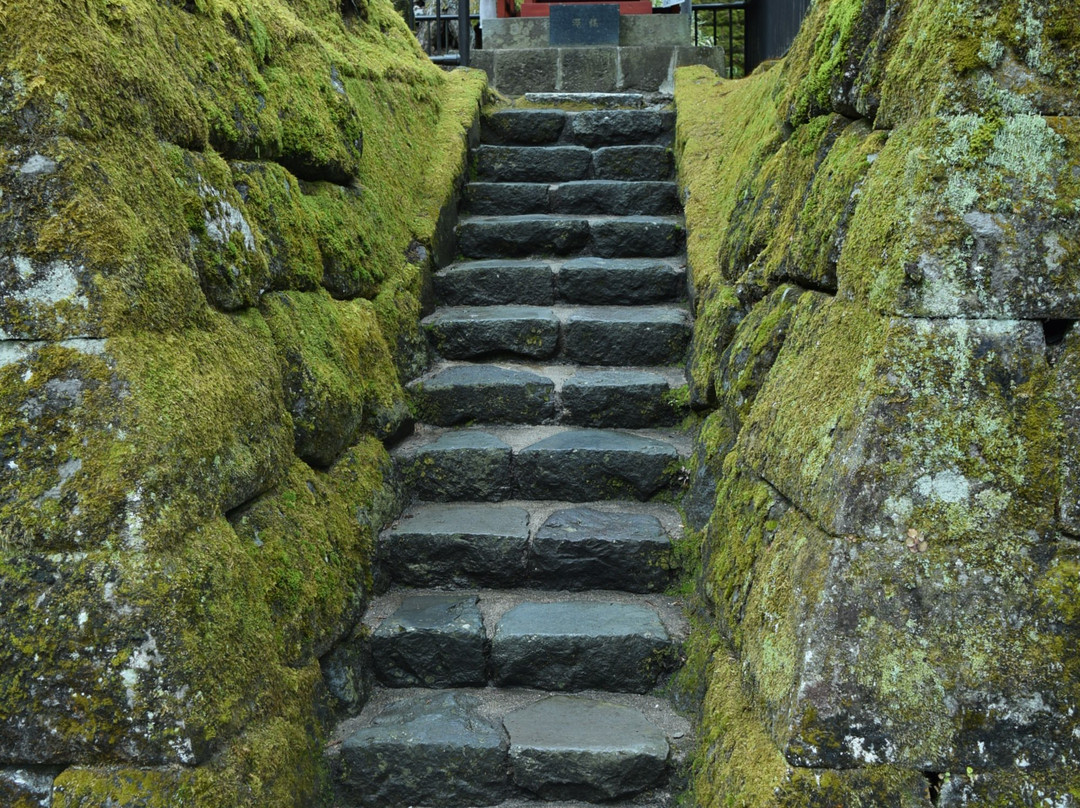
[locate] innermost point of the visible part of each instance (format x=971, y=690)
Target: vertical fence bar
x=731, y=43
x=464, y=36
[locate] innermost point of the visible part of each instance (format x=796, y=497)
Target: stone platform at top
x=519, y=57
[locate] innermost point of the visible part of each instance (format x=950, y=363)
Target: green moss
x=337, y=369
x=834, y=26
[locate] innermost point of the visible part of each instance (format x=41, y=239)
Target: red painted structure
x=539, y=8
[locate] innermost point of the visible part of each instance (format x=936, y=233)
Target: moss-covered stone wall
x=884, y=243
x=216, y=221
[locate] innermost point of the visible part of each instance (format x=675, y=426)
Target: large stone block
x=925, y=655
x=877, y=426
x=988, y=227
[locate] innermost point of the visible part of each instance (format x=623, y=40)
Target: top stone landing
x=634, y=29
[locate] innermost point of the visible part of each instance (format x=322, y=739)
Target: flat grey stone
x=521, y=70
x=627, y=335
x=484, y=393
x=462, y=332
x=629, y=399
x=580, y=646
x=588, y=69
x=521, y=236
x=590, y=99
x=582, y=548
x=495, y=282
x=628, y=236
x=619, y=281
x=569, y=747
x=532, y=163
x=633, y=163
x=506, y=198
x=466, y=465
x=607, y=197
x=522, y=126
x=618, y=127
x=590, y=464
x=431, y=749
x=457, y=545
x=431, y=641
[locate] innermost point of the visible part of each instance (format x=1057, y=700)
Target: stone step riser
x=444, y=749
x=612, y=337
x=596, y=197
x=488, y=395
x=572, y=163
x=592, y=128
x=570, y=466
x=605, y=237
x=489, y=546
x=589, y=281
x=441, y=641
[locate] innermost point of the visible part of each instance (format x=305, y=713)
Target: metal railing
x=440, y=34
x=723, y=24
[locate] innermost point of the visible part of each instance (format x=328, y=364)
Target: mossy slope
x=214, y=218
x=877, y=224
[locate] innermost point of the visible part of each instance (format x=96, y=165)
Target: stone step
x=603, y=197
x=629, y=398
x=482, y=747
x=580, y=646
x=594, y=335
x=431, y=641
x=576, y=465
x=547, y=640
x=591, y=280
x=603, y=545
x=592, y=128
x=564, y=234
x=568, y=163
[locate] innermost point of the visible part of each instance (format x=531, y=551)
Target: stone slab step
x=487, y=747
x=603, y=546
x=485, y=393
x=431, y=641
x=599, y=281
x=628, y=398
x=565, y=234
x=592, y=128
x=434, y=748
x=557, y=641
x=568, y=163
x=576, y=465
x=589, y=197
x=567, y=747
x=597, y=335
x=456, y=545
x=580, y=646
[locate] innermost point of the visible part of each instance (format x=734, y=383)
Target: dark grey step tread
x=577, y=465
x=494, y=603
x=588, y=127
x=553, y=641
x=631, y=398
x=565, y=234
x=597, y=335
x=564, y=163
x=589, y=197
x=588, y=279
x=551, y=545
x=569, y=646
x=415, y=746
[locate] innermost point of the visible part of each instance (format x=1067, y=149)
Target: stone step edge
x=556, y=263
x=520, y=437
x=564, y=311
x=495, y=603
x=558, y=373
x=496, y=703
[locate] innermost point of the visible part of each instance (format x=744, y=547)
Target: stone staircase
x=524, y=635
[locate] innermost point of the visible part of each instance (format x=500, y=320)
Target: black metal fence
x=724, y=25
x=440, y=34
